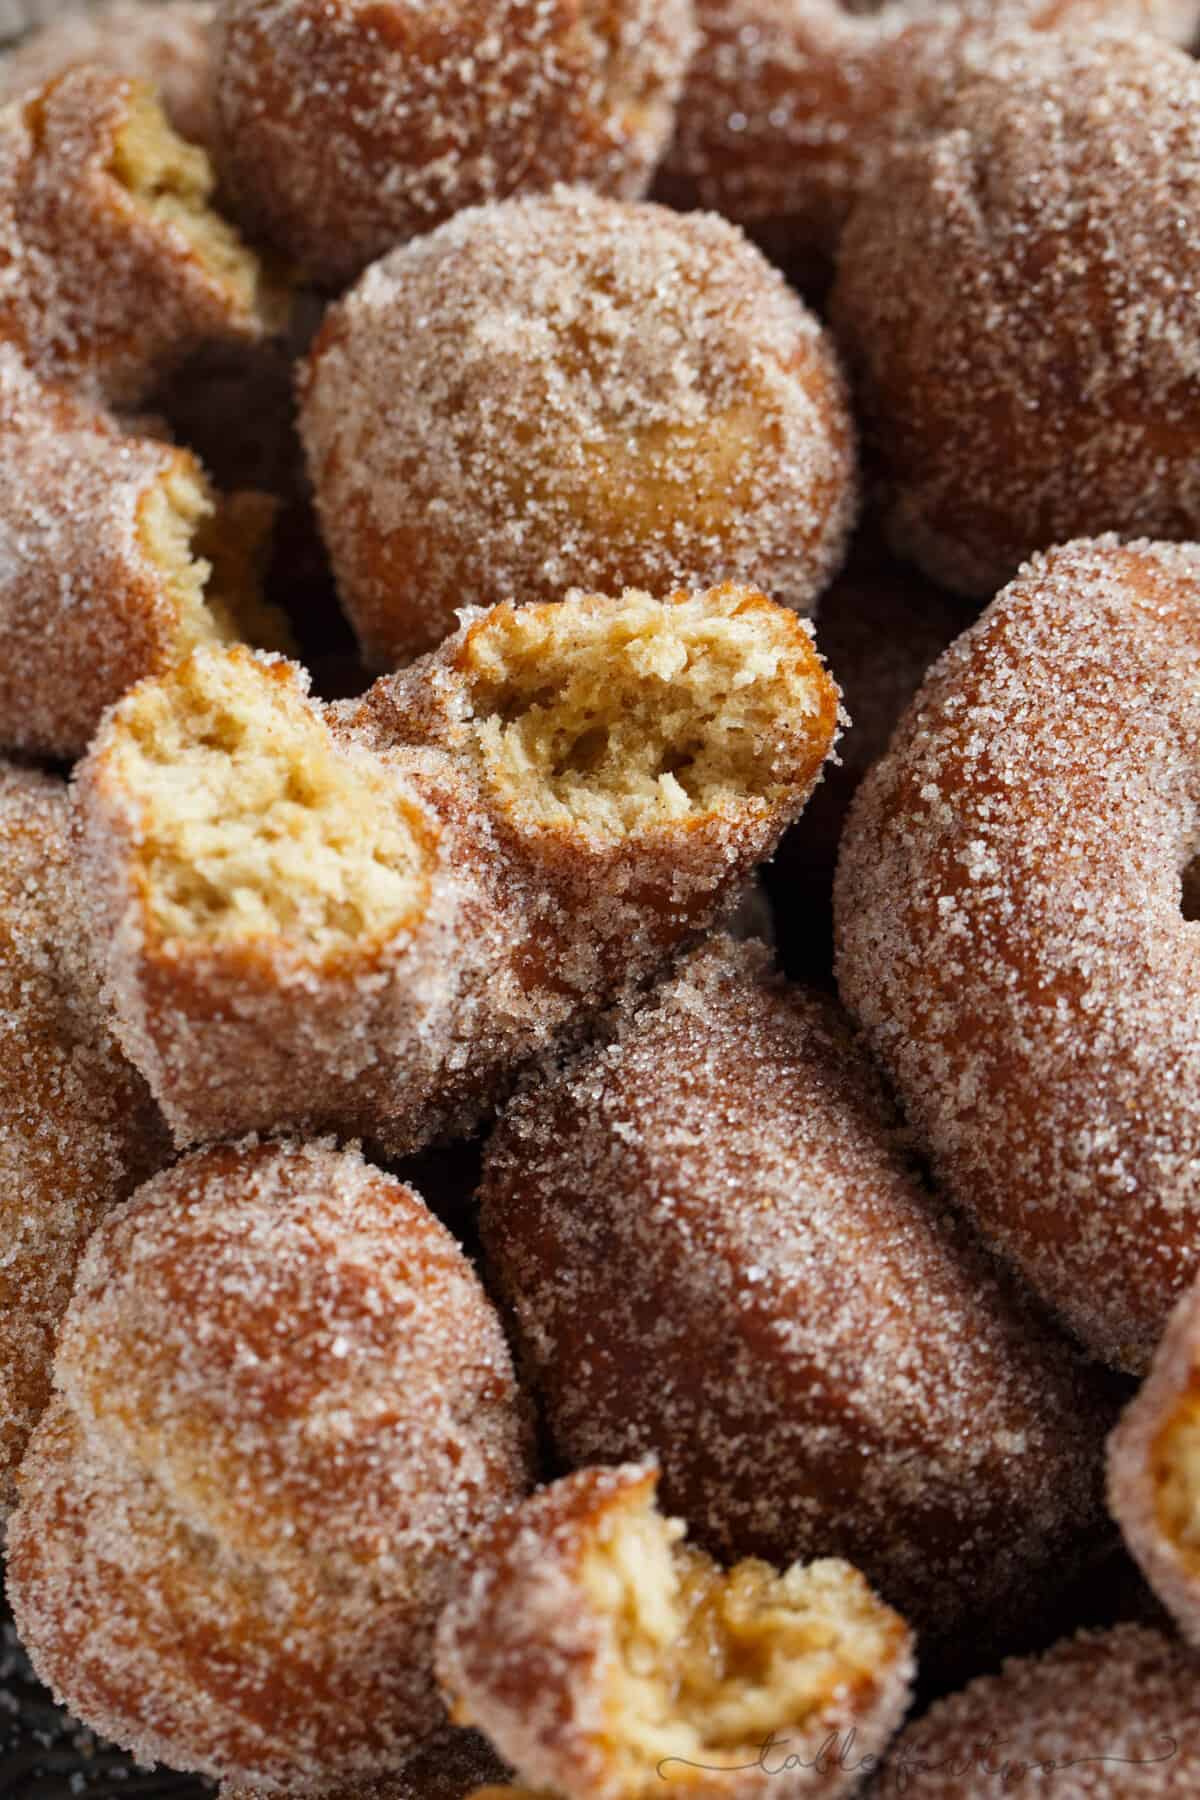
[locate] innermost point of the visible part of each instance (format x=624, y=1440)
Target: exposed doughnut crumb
x=351, y=126
x=166, y=43
x=791, y=112
x=1102, y=1714
x=717, y=1250
x=116, y=559
x=365, y=918
x=567, y=392
x=115, y=264
x=1154, y=1469
x=78, y=1129
x=1016, y=304
x=609, y=1660
x=1010, y=932
x=283, y=1407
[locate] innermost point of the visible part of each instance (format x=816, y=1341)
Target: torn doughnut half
x=116, y=560
x=365, y=918
x=1154, y=1469
x=117, y=265
x=608, y=1660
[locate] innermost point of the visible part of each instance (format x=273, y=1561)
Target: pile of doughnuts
x=600, y=896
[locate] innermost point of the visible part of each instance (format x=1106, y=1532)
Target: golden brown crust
x=1104, y=1714
x=1011, y=936
x=1026, y=363
x=534, y=915
x=284, y=1405
x=102, y=581
x=78, y=1129
x=114, y=267
x=567, y=392
x=717, y=1251
x=791, y=112
x=351, y=127
x=562, y=1613
x=164, y=42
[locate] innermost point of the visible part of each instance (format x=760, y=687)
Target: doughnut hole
x=254, y=825
x=617, y=718
x=170, y=182
x=211, y=552
x=707, y=1665
x=1175, y=1473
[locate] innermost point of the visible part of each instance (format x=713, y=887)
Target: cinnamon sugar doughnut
x=115, y=264
x=166, y=43
x=609, y=1660
x=351, y=126
x=1154, y=1469
x=1011, y=936
x=115, y=559
x=1016, y=302
x=566, y=391
x=283, y=1406
x=717, y=1250
x=450, y=1766
x=78, y=1129
x=791, y=112
x=1106, y=1715
x=363, y=918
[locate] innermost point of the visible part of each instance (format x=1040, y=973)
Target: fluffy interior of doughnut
x=212, y=554
x=707, y=1664
x=623, y=715
x=172, y=181
x=1177, y=1478
x=255, y=824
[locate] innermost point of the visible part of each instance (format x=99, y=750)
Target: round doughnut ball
x=791, y=111
x=717, y=1251
x=451, y=1766
x=350, y=126
x=283, y=1406
x=78, y=1129
x=1106, y=1715
x=570, y=392
x=1016, y=302
x=1154, y=1469
x=1010, y=932
x=608, y=1659
x=167, y=43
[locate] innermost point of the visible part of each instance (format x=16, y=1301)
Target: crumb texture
x=568, y=392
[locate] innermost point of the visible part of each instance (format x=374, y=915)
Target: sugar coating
x=567, y=391
x=350, y=126
x=520, y=928
x=1103, y=1714
x=101, y=581
x=1152, y=1469
x=164, y=42
x=791, y=112
x=78, y=1129
x=1027, y=363
x=450, y=1766
x=283, y=1405
x=717, y=1249
x=1010, y=933
x=114, y=266
x=610, y=1660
